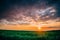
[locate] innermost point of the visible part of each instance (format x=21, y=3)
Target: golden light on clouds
x=38, y=26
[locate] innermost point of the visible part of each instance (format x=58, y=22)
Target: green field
x=29, y=35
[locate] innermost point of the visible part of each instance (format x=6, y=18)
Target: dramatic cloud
x=37, y=13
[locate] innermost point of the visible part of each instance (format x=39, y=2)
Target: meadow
x=29, y=35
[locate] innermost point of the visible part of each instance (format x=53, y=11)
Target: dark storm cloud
x=5, y=5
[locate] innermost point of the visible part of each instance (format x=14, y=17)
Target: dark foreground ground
x=29, y=35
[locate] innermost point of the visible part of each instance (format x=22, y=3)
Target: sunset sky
x=32, y=15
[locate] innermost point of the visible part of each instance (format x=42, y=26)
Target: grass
x=29, y=35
